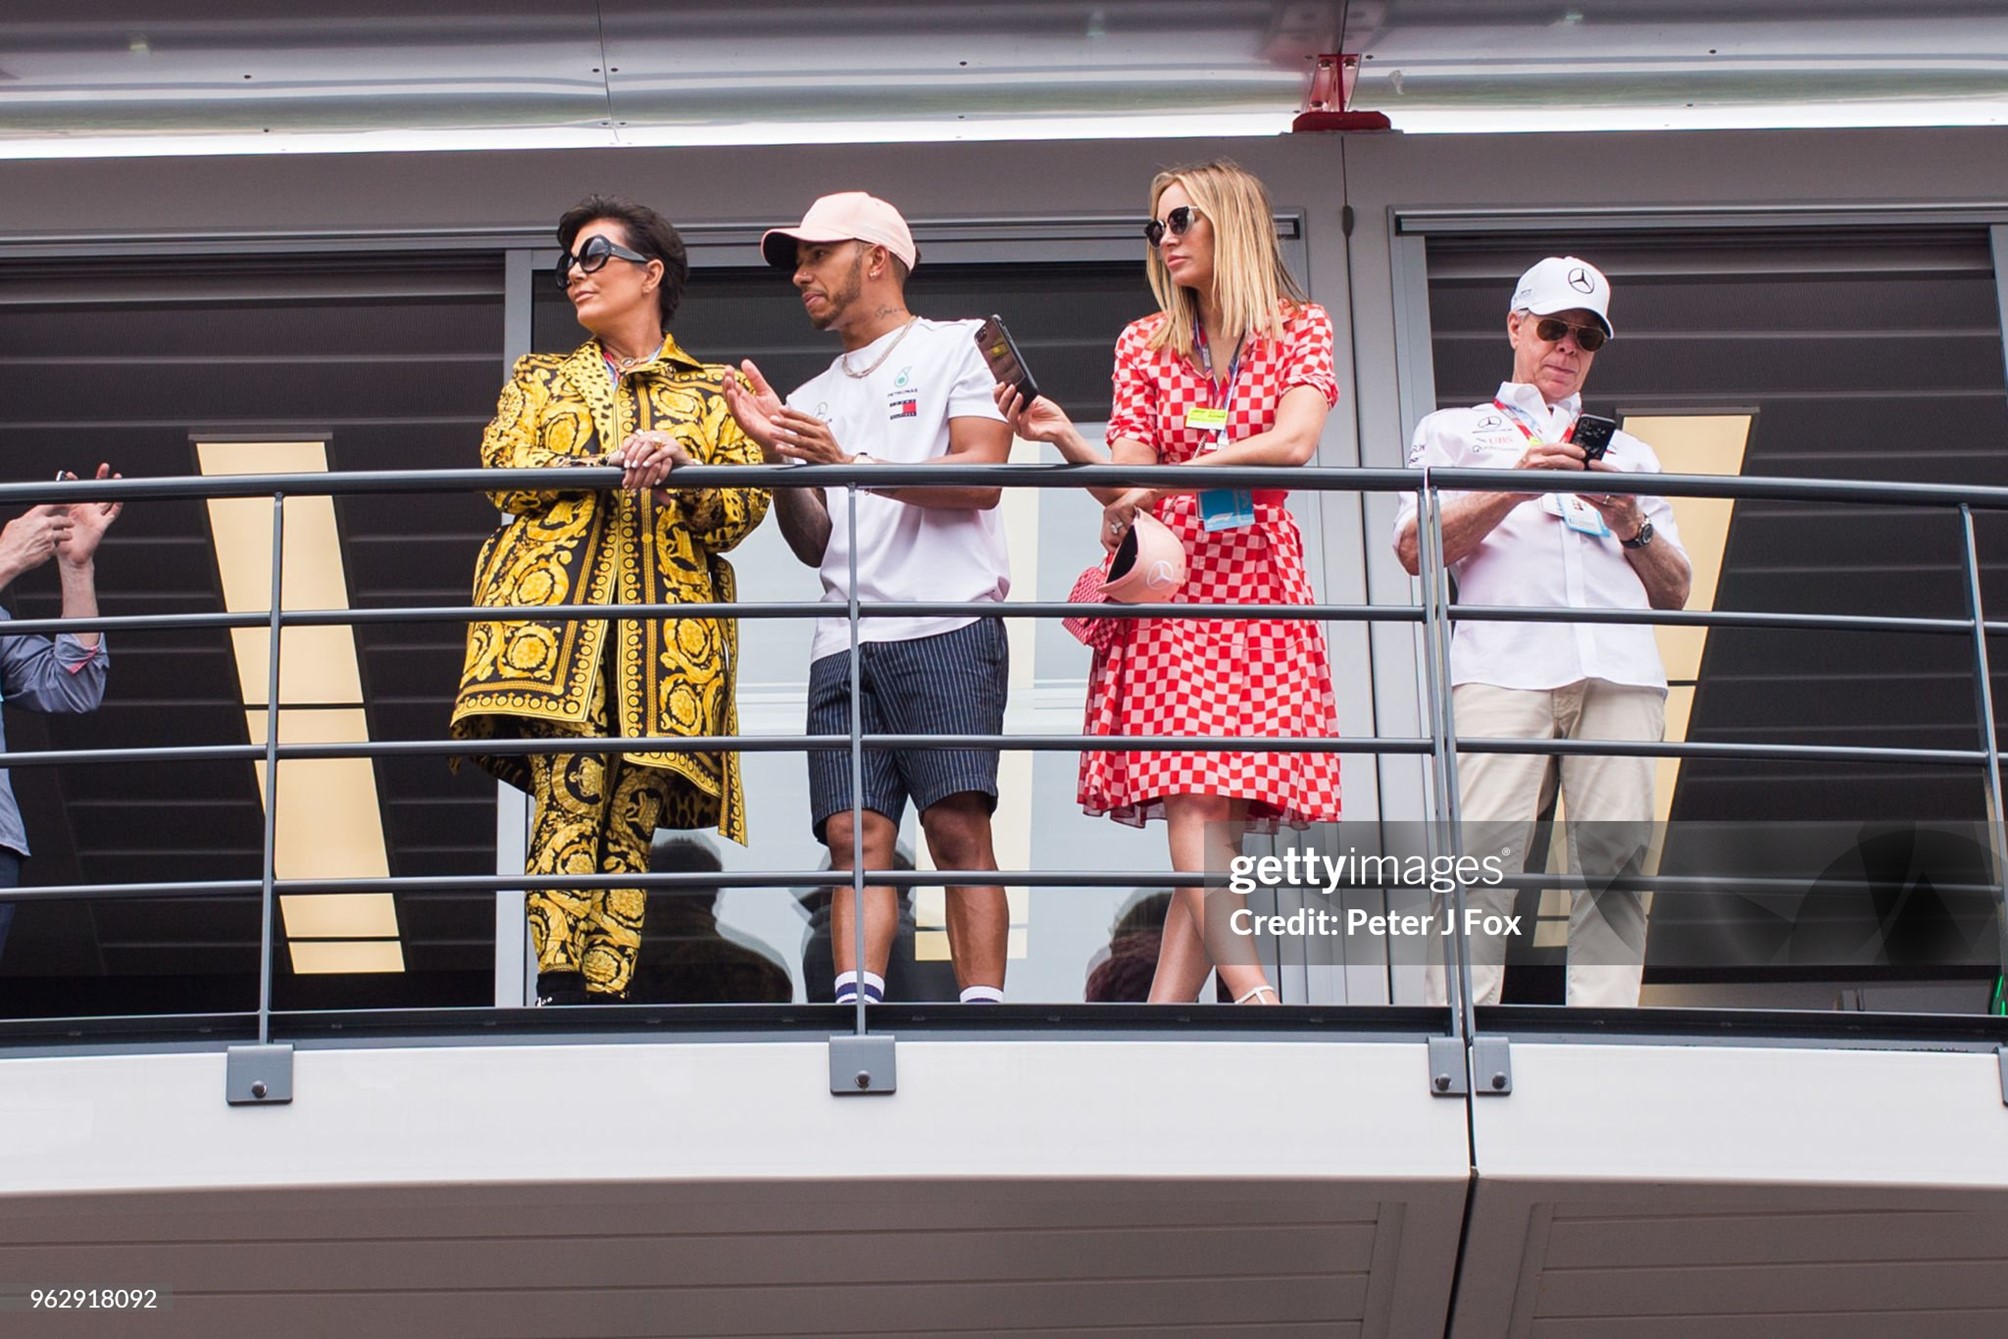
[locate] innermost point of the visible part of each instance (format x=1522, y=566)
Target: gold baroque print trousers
x=584, y=825
x=596, y=814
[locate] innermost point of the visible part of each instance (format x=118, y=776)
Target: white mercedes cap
x=1565, y=283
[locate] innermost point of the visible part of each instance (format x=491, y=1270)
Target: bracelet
x=862, y=459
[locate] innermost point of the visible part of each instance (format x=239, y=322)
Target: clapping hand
x=88, y=523
x=804, y=437
x=32, y=538
x=755, y=404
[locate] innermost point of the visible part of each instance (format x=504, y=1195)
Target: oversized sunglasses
x=592, y=256
x=1178, y=223
x=1589, y=338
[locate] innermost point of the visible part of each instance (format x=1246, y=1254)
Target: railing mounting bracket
x=255, y=1076
x=862, y=1066
x=1448, y=1076
x=1491, y=1067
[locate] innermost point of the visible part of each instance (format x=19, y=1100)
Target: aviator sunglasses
x=1550, y=329
x=1178, y=223
x=593, y=256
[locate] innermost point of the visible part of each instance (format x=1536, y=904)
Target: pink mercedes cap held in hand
x=1149, y=563
x=844, y=217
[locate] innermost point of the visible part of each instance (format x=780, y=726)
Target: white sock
x=847, y=988
x=982, y=995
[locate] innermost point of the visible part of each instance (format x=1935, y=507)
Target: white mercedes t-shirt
x=899, y=413
x=1534, y=557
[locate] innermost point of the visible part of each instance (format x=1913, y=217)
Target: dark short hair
x=647, y=232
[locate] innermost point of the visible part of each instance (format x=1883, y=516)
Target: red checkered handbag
x=1094, y=633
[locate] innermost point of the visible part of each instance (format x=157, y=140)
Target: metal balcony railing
x=1432, y=618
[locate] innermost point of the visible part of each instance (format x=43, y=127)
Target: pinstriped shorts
x=953, y=683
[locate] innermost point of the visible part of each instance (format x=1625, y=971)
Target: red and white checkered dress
x=1166, y=676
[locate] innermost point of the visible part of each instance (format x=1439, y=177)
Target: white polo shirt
x=899, y=413
x=1534, y=557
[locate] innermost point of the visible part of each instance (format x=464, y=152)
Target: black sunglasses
x=1178, y=222
x=1589, y=338
x=592, y=255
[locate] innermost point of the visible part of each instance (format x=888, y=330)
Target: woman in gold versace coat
x=631, y=397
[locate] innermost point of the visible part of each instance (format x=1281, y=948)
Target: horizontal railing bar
x=792, y=743
x=819, y=609
x=1728, y=883
x=796, y=880
x=1714, y=618
x=1615, y=748
x=407, y=885
x=1309, y=478
x=309, y=618
x=1365, y=744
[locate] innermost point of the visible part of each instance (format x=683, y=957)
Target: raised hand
x=88, y=523
x=32, y=538
x=755, y=404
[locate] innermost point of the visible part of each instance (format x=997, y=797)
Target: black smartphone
x=1006, y=363
x=1593, y=434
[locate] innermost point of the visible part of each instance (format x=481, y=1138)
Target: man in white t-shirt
x=905, y=391
x=1554, y=680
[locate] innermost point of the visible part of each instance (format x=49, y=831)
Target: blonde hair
x=1250, y=281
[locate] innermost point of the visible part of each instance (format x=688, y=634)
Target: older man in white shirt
x=1554, y=680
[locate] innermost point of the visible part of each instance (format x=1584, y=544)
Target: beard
x=837, y=303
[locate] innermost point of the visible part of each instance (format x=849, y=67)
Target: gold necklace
x=845, y=361
x=629, y=364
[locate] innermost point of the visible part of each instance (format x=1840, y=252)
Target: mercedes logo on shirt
x=1579, y=279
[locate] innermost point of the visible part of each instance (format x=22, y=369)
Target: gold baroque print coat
x=611, y=547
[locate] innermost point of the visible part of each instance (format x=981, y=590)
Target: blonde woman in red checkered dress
x=1236, y=370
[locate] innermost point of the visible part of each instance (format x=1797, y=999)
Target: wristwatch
x=1641, y=539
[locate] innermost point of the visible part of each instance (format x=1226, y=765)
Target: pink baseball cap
x=844, y=217
x=1149, y=564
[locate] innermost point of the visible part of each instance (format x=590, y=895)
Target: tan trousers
x=1501, y=793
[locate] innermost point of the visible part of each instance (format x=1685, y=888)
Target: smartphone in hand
x=1593, y=434
x=1000, y=351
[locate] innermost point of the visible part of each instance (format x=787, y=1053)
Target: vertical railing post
x=263, y=1074
x=1431, y=569
x=858, y=1063
x=270, y=856
x=1983, y=684
x=857, y=760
